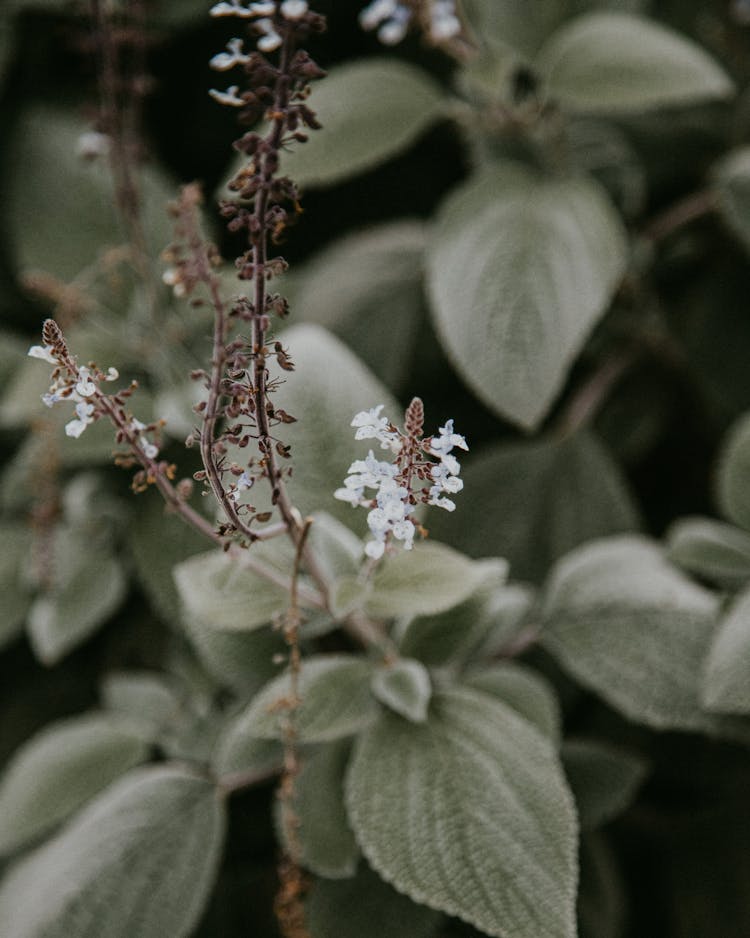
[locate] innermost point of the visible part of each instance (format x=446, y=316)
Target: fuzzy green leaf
x=720, y=553
x=733, y=474
x=366, y=907
x=726, y=687
x=635, y=630
x=615, y=62
x=140, y=860
x=537, y=500
x=58, y=770
x=426, y=580
x=335, y=701
x=732, y=181
x=469, y=814
x=337, y=550
x=525, y=691
x=604, y=779
x=370, y=111
x=404, y=687
x=520, y=269
x=15, y=598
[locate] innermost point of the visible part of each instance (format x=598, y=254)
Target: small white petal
x=44, y=352
x=75, y=428
x=375, y=549
x=293, y=9
x=112, y=374
x=270, y=42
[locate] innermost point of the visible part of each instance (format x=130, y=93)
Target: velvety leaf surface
x=717, y=552
x=335, y=701
x=469, y=814
x=615, y=62
x=726, y=687
x=604, y=779
x=140, y=860
x=523, y=690
x=15, y=598
x=520, y=269
x=733, y=474
x=404, y=687
x=58, y=770
x=535, y=501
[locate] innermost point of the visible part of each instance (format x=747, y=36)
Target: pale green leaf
x=337, y=549
x=15, y=598
x=89, y=585
x=451, y=637
x=140, y=860
x=635, y=630
x=604, y=779
x=525, y=691
x=370, y=110
x=717, y=552
x=367, y=289
x=348, y=593
x=615, y=62
x=146, y=698
x=328, y=847
x=469, y=814
x=335, y=701
x=428, y=579
x=60, y=207
x=521, y=25
x=222, y=592
x=58, y=770
x=520, y=269
x=726, y=687
x=329, y=386
x=240, y=755
x=366, y=907
x=733, y=474
x=404, y=687
x=534, y=501
x=732, y=181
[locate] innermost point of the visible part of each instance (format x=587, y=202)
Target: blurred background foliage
x=623, y=430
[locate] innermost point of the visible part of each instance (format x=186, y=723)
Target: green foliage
x=405, y=688
x=104, y=874
x=492, y=829
x=733, y=472
x=523, y=690
x=732, y=181
x=532, y=263
x=718, y=552
x=727, y=676
x=15, y=598
x=604, y=780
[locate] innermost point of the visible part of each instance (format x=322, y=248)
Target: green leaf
x=337, y=549
x=239, y=754
x=335, y=697
x=733, y=474
x=327, y=842
x=324, y=399
x=601, y=895
x=717, y=552
x=89, y=585
x=366, y=907
x=534, y=501
x=515, y=23
x=146, y=698
x=140, y=860
x=604, y=779
x=726, y=687
x=15, y=598
x=370, y=110
x=635, y=630
x=731, y=177
x=61, y=208
x=404, y=687
x=520, y=268
x=525, y=691
x=221, y=592
x=451, y=637
x=426, y=580
x=614, y=63
x=469, y=814
x=58, y=770
x=367, y=289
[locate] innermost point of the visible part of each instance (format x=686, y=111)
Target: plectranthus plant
x=347, y=674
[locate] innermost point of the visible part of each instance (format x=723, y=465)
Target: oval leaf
x=604, y=779
x=726, y=686
x=335, y=701
x=525, y=691
x=140, y=860
x=720, y=553
x=732, y=181
x=616, y=62
x=405, y=688
x=58, y=770
x=520, y=268
x=733, y=474
x=469, y=814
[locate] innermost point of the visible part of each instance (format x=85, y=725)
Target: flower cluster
x=77, y=385
x=423, y=471
x=392, y=19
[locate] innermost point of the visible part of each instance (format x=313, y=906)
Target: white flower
x=92, y=144
x=374, y=14
x=371, y=426
x=76, y=427
x=270, y=40
x=45, y=352
x=444, y=24
x=375, y=549
x=51, y=398
x=85, y=387
x=447, y=440
x=405, y=531
x=293, y=9
x=112, y=374
x=226, y=60
x=236, y=9
x=137, y=425
x=228, y=97
x=351, y=495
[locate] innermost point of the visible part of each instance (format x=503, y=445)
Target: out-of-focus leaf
x=525, y=691
x=726, y=686
x=140, y=860
x=58, y=770
x=515, y=23
x=404, y=687
x=15, y=598
x=601, y=894
x=370, y=111
x=469, y=813
x=146, y=698
x=520, y=269
x=615, y=62
x=713, y=550
x=733, y=474
x=337, y=549
x=533, y=502
x=367, y=289
x=732, y=181
x=604, y=779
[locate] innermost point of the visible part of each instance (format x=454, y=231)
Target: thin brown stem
x=685, y=211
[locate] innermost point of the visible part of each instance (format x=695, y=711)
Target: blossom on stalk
x=423, y=472
x=393, y=18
